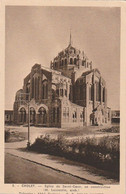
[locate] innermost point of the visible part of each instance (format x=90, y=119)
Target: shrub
x=102, y=153
x=113, y=129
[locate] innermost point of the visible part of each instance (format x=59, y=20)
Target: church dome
x=71, y=58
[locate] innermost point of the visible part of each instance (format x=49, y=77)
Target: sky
x=36, y=34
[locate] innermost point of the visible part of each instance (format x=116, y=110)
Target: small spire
x=70, y=43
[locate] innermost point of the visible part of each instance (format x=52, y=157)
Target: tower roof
x=70, y=42
x=72, y=52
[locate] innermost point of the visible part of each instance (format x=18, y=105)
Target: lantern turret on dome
x=70, y=59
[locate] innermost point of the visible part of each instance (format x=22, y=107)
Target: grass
x=82, y=131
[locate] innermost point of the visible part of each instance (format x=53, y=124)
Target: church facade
x=68, y=94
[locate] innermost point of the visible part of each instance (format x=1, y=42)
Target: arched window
x=66, y=93
x=27, y=92
x=61, y=92
x=71, y=61
x=67, y=112
x=42, y=115
x=75, y=61
x=97, y=91
x=36, y=88
x=92, y=92
x=44, y=89
x=74, y=116
x=22, y=115
x=82, y=62
x=64, y=112
x=42, y=111
x=58, y=113
x=32, y=87
x=32, y=115
x=81, y=116
x=57, y=92
x=62, y=62
x=103, y=94
x=53, y=94
x=65, y=61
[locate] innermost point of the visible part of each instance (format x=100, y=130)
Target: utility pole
x=28, y=143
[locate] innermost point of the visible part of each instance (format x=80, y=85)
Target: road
x=18, y=170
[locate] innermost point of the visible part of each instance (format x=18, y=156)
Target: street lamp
x=28, y=104
x=28, y=143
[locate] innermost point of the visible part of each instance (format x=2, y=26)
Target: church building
x=68, y=94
